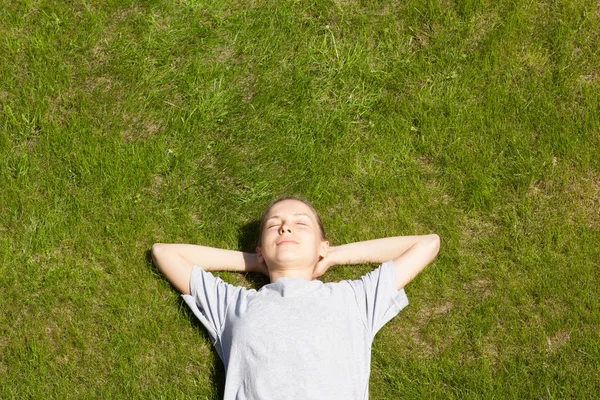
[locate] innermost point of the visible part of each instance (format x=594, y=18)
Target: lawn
x=126, y=123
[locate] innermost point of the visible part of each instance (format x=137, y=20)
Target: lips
x=286, y=241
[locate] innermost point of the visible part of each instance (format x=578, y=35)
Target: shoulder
x=385, y=271
x=200, y=278
x=382, y=276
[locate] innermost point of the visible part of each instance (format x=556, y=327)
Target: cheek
x=314, y=240
x=270, y=235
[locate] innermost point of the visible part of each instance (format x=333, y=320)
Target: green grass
x=127, y=123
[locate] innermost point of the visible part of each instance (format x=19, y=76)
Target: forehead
x=287, y=207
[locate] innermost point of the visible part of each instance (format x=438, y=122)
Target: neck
x=304, y=273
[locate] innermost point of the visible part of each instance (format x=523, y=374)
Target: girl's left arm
x=410, y=254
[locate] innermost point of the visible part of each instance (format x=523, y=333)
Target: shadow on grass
x=247, y=242
x=218, y=370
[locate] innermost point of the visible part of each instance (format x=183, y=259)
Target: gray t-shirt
x=293, y=338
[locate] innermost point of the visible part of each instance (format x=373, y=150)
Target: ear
x=324, y=248
x=259, y=255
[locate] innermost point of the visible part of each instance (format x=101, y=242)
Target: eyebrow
x=295, y=215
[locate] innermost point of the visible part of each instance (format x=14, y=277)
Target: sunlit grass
x=123, y=124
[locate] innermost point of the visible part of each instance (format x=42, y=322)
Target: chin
x=291, y=262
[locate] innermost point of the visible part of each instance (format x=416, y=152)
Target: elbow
x=434, y=239
x=156, y=248
x=156, y=251
x=434, y=242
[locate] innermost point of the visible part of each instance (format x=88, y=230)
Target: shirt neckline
x=291, y=287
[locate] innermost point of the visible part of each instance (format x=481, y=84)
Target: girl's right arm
x=176, y=261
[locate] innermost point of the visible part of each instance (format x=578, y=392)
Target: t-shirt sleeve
x=209, y=297
x=377, y=297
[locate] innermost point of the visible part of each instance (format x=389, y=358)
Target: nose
x=285, y=227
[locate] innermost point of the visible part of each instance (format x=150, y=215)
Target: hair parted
x=263, y=219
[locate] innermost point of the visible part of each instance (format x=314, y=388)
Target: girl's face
x=291, y=237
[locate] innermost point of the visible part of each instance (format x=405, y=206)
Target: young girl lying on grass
x=296, y=337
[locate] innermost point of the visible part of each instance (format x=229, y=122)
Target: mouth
x=286, y=241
